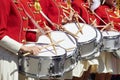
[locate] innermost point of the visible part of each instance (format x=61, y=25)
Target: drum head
x=110, y=34
x=99, y=36
x=88, y=32
x=65, y=43
x=48, y=51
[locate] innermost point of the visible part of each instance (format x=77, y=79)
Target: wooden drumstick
x=78, y=15
x=70, y=33
x=46, y=46
x=69, y=49
x=78, y=30
x=28, y=53
x=79, y=27
x=48, y=34
x=93, y=22
x=52, y=42
x=108, y=25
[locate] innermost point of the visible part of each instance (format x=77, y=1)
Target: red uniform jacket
x=13, y=21
x=108, y=15
x=63, y=9
x=83, y=9
x=49, y=8
x=52, y=11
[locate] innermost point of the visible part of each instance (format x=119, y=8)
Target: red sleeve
x=30, y=36
x=101, y=12
x=76, y=6
x=4, y=10
x=51, y=11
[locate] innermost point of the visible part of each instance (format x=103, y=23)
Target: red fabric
x=101, y=12
x=52, y=11
x=10, y=21
x=83, y=9
x=105, y=13
x=60, y=4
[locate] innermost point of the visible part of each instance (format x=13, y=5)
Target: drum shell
x=87, y=49
x=111, y=43
x=71, y=61
x=42, y=66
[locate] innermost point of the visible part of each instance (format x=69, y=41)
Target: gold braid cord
x=37, y=5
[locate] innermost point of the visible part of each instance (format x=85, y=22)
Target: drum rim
x=111, y=37
x=86, y=42
x=99, y=32
x=49, y=57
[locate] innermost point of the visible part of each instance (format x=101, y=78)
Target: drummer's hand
x=47, y=29
x=58, y=26
x=65, y=20
x=34, y=50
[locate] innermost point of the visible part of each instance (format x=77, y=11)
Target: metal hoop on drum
x=87, y=44
x=45, y=64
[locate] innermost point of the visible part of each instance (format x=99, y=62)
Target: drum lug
x=39, y=66
x=27, y=61
x=116, y=43
x=73, y=60
x=51, y=69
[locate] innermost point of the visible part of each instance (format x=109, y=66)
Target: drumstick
x=63, y=7
x=99, y=17
x=50, y=39
x=79, y=27
x=78, y=31
x=70, y=33
x=93, y=23
x=28, y=53
x=78, y=15
x=108, y=25
x=69, y=49
x=52, y=42
x=66, y=11
x=34, y=22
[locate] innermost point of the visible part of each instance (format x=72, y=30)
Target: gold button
x=25, y=29
x=15, y=1
x=36, y=12
x=110, y=15
x=23, y=41
x=20, y=9
x=38, y=21
x=25, y=18
x=30, y=5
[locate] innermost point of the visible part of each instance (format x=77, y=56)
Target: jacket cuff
x=10, y=44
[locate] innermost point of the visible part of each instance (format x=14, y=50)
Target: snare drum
x=69, y=44
x=87, y=40
x=111, y=41
x=46, y=64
